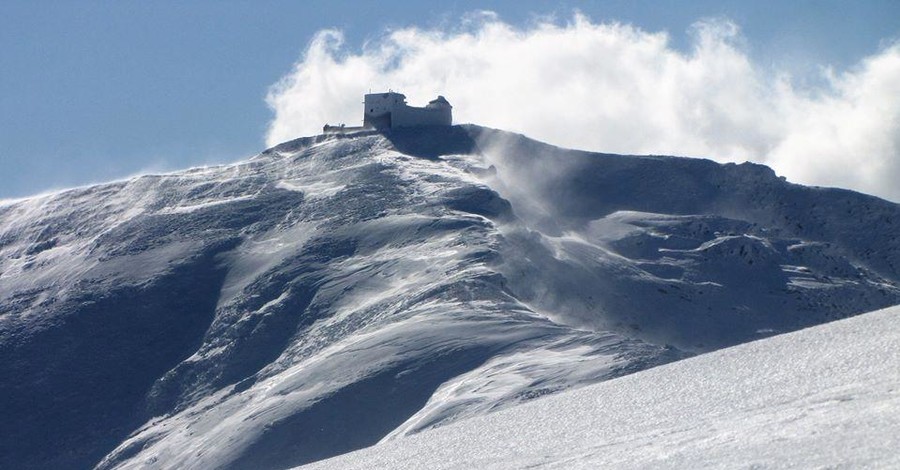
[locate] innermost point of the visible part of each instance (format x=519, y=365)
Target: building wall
x=389, y=110
x=380, y=103
x=407, y=116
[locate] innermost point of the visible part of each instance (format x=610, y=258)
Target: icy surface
x=824, y=397
x=336, y=291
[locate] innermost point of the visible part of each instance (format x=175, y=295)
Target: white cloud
x=617, y=88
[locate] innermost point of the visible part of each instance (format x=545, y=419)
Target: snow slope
x=337, y=290
x=823, y=397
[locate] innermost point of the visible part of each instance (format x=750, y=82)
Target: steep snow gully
x=335, y=291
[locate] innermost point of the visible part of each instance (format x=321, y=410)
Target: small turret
x=439, y=102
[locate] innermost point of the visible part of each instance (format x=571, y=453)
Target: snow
x=205, y=205
x=827, y=396
x=336, y=290
x=315, y=189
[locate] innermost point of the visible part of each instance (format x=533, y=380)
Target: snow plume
x=613, y=87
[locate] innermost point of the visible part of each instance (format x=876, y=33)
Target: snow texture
x=338, y=290
x=824, y=397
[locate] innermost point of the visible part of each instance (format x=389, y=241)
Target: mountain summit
x=338, y=290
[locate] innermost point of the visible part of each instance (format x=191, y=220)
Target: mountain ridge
x=397, y=281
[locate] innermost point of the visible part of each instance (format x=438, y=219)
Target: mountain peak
x=341, y=288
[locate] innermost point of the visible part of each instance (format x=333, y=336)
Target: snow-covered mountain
x=335, y=291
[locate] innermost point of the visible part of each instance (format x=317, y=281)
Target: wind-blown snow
x=828, y=396
x=337, y=290
x=584, y=83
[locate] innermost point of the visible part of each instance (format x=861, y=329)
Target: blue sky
x=93, y=91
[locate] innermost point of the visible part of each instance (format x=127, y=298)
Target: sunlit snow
x=828, y=396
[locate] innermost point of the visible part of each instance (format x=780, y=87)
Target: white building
x=389, y=111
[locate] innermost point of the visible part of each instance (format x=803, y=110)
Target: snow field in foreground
x=824, y=396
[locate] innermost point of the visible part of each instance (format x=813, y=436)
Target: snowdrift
x=822, y=397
